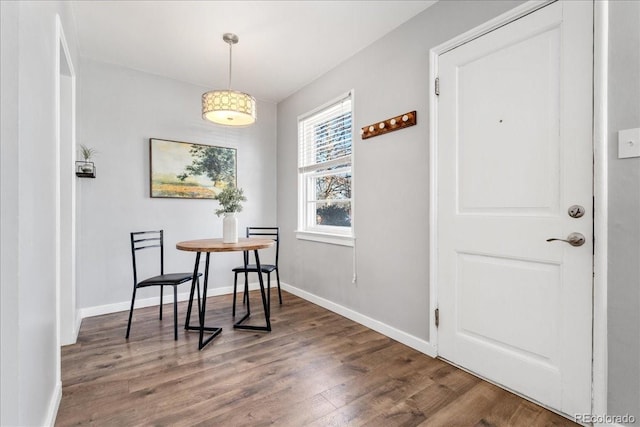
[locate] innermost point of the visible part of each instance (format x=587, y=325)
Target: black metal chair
x=155, y=239
x=268, y=232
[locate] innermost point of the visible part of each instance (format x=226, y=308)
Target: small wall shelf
x=85, y=169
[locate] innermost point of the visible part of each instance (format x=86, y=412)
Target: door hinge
x=437, y=88
x=437, y=317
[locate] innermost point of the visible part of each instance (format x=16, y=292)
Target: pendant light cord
x=230, y=58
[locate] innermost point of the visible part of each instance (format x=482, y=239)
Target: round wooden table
x=216, y=245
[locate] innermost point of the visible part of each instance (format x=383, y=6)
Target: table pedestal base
x=201, y=328
x=238, y=325
x=265, y=305
x=202, y=341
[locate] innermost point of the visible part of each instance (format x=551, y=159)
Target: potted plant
x=87, y=154
x=230, y=199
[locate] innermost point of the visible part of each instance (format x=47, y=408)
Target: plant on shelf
x=230, y=199
x=87, y=154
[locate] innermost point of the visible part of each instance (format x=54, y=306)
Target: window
x=324, y=173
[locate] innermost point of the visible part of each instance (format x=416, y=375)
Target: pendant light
x=229, y=107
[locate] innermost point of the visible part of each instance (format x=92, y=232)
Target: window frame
x=338, y=235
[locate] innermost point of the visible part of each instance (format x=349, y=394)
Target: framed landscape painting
x=190, y=171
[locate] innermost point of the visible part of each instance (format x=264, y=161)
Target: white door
x=514, y=154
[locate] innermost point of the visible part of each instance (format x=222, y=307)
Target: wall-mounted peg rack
x=389, y=125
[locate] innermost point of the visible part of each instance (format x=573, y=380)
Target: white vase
x=230, y=228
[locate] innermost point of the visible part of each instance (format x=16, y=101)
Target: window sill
x=333, y=239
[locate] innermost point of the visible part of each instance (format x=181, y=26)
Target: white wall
x=391, y=174
x=624, y=212
x=119, y=110
x=9, y=292
x=29, y=350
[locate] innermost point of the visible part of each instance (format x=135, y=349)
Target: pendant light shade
x=229, y=107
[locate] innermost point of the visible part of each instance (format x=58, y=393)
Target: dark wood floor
x=315, y=368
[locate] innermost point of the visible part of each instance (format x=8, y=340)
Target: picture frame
x=185, y=170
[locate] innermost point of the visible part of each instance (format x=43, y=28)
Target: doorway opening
x=65, y=191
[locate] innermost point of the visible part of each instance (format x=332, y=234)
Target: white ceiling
x=283, y=46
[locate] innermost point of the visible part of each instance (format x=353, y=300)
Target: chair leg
x=161, y=290
x=175, y=313
x=235, y=288
x=246, y=294
x=268, y=290
x=133, y=299
x=245, y=297
x=279, y=292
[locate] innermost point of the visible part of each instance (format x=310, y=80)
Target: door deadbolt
x=574, y=239
x=576, y=211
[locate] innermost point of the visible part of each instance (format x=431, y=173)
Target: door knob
x=574, y=239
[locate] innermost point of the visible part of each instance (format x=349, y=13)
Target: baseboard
x=54, y=404
x=389, y=331
x=78, y=325
x=99, y=310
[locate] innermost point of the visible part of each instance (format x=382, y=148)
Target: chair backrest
x=146, y=240
x=266, y=232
